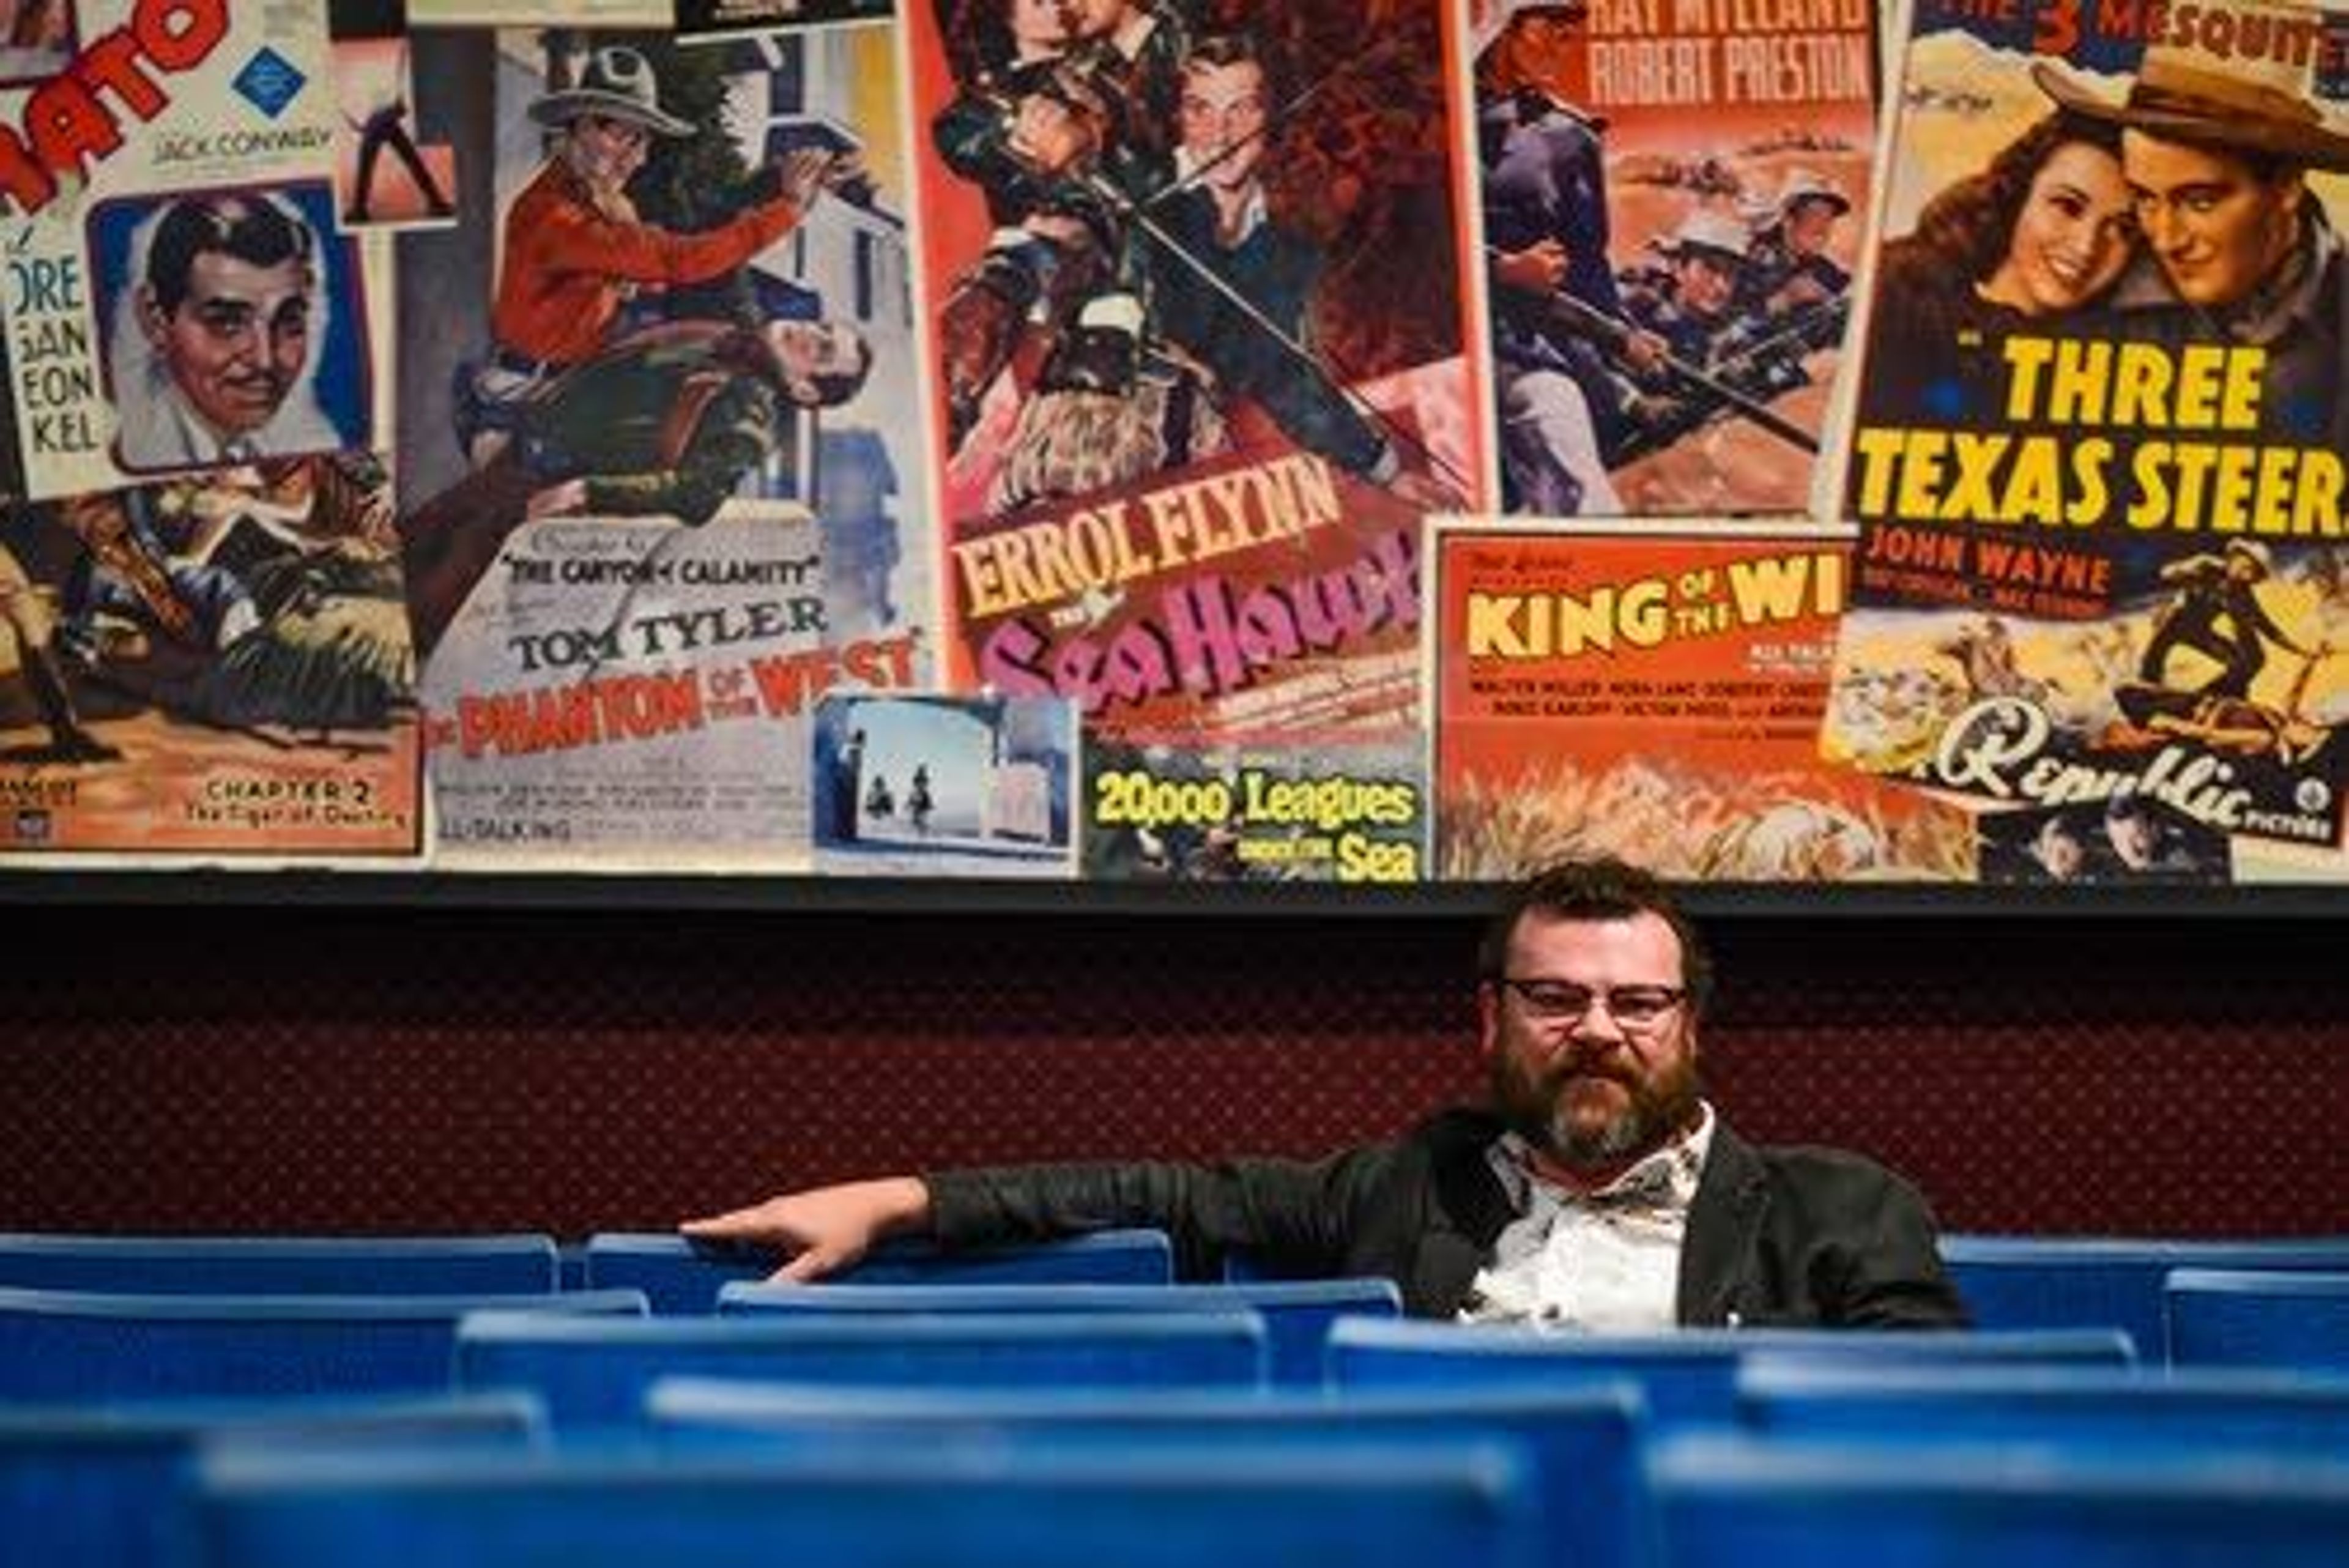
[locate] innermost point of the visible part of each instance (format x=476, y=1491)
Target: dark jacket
x=1546, y=179
x=1274, y=269
x=1781, y=1236
x=668, y=419
x=665, y=421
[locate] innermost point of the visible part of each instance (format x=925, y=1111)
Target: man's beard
x=1534, y=1109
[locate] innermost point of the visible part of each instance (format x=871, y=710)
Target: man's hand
x=845, y=169
x=1651, y=407
x=1539, y=268
x=804, y=173
x=1645, y=351
x=559, y=500
x=824, y=1228
x=1798, y=292
x=1048, y=135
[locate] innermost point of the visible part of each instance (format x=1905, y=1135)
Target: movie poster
x=202, y=645
x=1193, y=284
x=217, y=663
x=1347, y=810
x=1675, y=196
x=646, y=14
x=2102, y=443
x=123, y=371
x=661, y=490
x=698, y=19
x=939, y=785
x=384, y=177
x=36, y=39
x=1656, y=695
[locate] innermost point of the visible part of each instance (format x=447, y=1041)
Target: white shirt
x=160, y=430
x=1603, y=1263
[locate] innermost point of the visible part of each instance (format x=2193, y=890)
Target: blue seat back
x=1582, y=1444
x=571, y=1267
x=75, y=1345
x=596, y=1373
x=1298, y=1313
x=2254, y=1318
x=1234, y=1506
x=1775, y=1502
x=1689, y=1376
x=2055, y=1281
x=682, y=1276
x=108, y=1486
x=2009, y=1347
x=281, y=1265
x=2093, y=1406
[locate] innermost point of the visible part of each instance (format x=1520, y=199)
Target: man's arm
x=731, y=437
x=1022, y=153
x=1296, y=1215
x=577, y=239
x=823, y=1230
x=1300, y=390
x=573, y=237
x=2263, y=624
x=1896, y=1278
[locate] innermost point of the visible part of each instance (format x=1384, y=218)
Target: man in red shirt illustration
x=575, y=250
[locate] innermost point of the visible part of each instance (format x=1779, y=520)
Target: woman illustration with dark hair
x=2043, y=231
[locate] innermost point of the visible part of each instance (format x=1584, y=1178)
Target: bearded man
x=1596, y=1190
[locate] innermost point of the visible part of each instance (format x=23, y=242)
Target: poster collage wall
x=1356, y=440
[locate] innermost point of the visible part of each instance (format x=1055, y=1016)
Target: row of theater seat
x=2037, y=1281
x=2187, y=1304
x=983, y=1421
x=2139, y=1471
x=674, y=1275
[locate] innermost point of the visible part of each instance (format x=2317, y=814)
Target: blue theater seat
x=1775, y=1502
x=1689, y=1375
x=1298, y=1313
x=281, y=1265
x=75, y=1345
x=2253, y=1317
x=1232, y=1506
x=595, y=1371
x=96, y=1486
x=1582, y=1444
x=2095, y=1405
x=2059, y=1282
x=682, y=1276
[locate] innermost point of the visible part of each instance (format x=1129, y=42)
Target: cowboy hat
x=2184, y=96
x=618, y=84
x=1707, y=230
x=1807, y=185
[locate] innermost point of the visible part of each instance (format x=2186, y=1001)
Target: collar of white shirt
x=1604, y=1261
x=1664, y=1178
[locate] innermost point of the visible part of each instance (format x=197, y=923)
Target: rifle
x=1299, y=357
x=1758, y=357
x=1138, y=210
x=1580, y=318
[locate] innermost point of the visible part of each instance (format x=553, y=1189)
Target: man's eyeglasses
x=1633, y=1007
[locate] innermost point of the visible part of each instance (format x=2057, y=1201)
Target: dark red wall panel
x=190, y=1067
